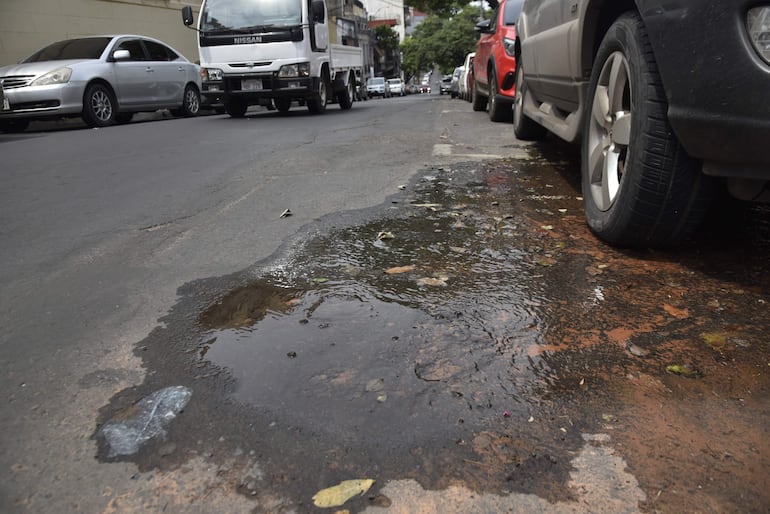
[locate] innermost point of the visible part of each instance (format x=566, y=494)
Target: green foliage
x=443, y=41
x=444, y=8
x=387, y=38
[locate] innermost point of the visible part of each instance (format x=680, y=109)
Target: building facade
x=388, y=10
x=28, y=25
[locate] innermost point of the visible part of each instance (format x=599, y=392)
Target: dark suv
x=494, y=66
x=668, y=99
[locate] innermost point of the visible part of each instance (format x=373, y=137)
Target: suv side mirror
x=483, y=26
x=317, y=11
x=187, y=15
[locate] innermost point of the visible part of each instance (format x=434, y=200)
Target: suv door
x=484, y=48
x=550, y=54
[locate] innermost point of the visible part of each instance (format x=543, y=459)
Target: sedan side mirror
x=187, y=15
x=317, y=11
x=121, y=55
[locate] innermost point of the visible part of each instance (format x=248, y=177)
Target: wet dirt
x=471, y=332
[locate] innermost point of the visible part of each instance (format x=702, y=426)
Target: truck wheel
x=345, y=97
x=317, y=104
x=282, y=104
x=236, y=108
x=524, y=128
x=640, y=188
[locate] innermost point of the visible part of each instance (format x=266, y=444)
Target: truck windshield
x=249, y=15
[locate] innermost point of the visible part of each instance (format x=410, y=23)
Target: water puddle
x=471, y=333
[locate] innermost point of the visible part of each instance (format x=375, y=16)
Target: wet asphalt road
x=434, y=316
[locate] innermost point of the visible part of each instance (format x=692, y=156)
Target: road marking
x=444, y=150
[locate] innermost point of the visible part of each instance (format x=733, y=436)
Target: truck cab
x=272, y=51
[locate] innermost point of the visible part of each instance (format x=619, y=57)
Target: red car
x=494, y=67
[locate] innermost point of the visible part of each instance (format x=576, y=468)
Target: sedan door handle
x=149, y=70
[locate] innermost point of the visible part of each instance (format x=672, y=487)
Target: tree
x=443, y=41
x=445, y=7
x=387, y=43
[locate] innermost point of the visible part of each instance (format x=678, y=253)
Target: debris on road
x=337, y=495
x=128, y=430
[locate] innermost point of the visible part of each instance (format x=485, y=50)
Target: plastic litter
x=148, y=419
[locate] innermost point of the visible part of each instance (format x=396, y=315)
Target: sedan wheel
x=99, y=106
x=639, y=186
x=192, y=101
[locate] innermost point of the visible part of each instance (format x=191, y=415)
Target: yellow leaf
x=342, y=492
x=714, y=340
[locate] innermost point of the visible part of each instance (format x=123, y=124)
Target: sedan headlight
x=59, y=76
x=211, y=74
x=301, y=69
x=510, y=46
x=758, y=25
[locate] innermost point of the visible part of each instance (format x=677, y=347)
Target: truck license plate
x=6, y=104
x=251, y=85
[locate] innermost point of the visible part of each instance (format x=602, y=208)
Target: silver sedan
x=103, y=79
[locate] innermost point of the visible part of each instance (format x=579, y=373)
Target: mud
x=470, y=333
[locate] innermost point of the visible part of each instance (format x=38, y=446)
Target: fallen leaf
x=684, y=370
x=285, y=214
x=715, y=340
x=458, y=249
x=546, y=227
x=677, y=313
x=399, y=269
x=382, y=398
x=320, y=280
x=385, y=235
x=342, y=492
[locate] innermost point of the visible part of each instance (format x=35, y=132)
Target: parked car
x=464, y=83
x=103, y=79
x=446, y=84
x=377, y=86
x=425, y=87
x=396, y=87
x=494, y=66
x=659, y=104
x=454, y=87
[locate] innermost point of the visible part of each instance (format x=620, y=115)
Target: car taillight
x=758, y=26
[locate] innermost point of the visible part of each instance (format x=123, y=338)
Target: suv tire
x=640, y=188
x=498, y=111
x=478, y=100
x=524, y=128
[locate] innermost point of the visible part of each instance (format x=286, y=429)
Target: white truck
x=272, y=52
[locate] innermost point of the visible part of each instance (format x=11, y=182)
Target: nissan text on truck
x=254, y=52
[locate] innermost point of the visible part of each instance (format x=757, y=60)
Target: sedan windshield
x=249, y=15
x=85, y=48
